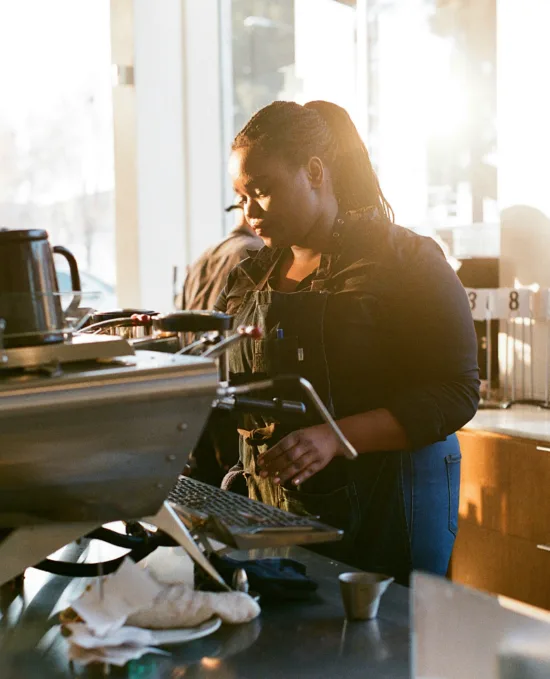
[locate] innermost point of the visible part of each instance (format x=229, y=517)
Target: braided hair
x=325, y=130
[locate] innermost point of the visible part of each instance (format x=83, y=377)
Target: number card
x=512, y=303
x=481, y=302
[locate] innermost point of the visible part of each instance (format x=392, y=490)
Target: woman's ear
x=316, y=172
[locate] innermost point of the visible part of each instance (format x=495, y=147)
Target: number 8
x=472, y=296
x=514, y=300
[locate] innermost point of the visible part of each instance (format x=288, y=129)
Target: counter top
x=527, y=422
x=306, y=640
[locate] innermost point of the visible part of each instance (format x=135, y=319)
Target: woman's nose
x=252, y=210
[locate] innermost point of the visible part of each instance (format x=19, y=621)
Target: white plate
x=166, y=637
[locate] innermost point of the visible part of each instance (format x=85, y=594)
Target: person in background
x=207, y=276
x=218, y=448
x=375, y=318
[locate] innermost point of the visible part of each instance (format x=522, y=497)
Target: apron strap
x=265, y=278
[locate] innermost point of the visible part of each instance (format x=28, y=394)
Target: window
x=56, y=128
x=432, y=103
x=425, y=102
x=283, y=49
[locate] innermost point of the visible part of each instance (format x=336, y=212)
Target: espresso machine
x=98, y=415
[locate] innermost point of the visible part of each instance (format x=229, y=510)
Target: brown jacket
x=207, y=276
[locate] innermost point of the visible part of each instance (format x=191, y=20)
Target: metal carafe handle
x=70, y=311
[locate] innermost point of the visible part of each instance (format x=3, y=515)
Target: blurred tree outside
x=50, y=179
x=56, y=128
x=263, y=52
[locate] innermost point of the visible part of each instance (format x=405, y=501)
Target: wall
x=124, y=119
x=168, y=150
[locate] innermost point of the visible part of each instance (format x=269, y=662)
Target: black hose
x=139, y=548
x=117, y=539
x=92, y=570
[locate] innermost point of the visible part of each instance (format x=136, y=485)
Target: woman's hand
x=300, y=455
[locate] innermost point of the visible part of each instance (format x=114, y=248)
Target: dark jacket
x=398, y=329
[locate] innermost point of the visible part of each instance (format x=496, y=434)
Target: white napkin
x=107, y=602
x=120, y=646
x=116, y=608
x=80, y=635
x=180, y=606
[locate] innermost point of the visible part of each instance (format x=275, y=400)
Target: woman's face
x=281, y=203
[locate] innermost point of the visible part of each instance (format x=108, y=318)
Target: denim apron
x=378, y=500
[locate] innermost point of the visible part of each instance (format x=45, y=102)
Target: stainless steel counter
x=299, y=640
x=527, y=422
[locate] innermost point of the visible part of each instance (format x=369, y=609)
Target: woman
x=375, y=318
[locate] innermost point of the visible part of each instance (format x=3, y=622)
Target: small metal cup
x=361, y=593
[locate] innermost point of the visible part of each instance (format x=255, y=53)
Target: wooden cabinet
x=479, y=557
x=502, y=564
x=528, y=572
x=529, y=490
x=484, y=480
x=504, y=517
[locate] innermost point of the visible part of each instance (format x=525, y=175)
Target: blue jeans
x=431, y=488
x=406, y=511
